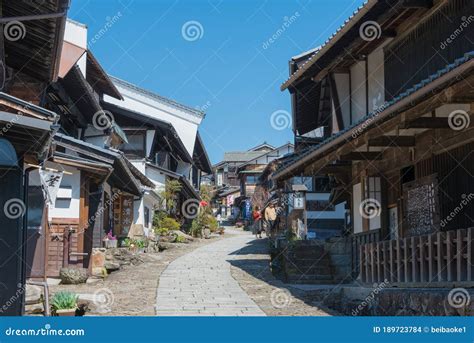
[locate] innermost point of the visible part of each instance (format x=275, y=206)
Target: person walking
x=257, y=216
x=270, y=216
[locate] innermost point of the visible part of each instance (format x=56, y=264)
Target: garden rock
x=73, y=276
x=179, y=233
x=33, y=294
x=34, y=308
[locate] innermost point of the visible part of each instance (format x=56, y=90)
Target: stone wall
x=379, y=301
x=339, y=250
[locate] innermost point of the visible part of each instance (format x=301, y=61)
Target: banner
x=50, y=182
x=230, y=329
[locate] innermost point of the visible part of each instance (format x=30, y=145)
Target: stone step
x=325, y=262
x=317, y=270
x=309, y=279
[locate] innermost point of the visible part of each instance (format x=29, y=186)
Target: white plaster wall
x=76, y=33
x=358, y=91
x=150, y=135
x=186, y=125
x=159, y=179
x=138, y=211
x=73, y=181
x=343, y=92
x=184, y=169
x=356, y=200
x=140, y=165
x=376, y=79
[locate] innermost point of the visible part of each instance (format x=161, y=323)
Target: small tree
x=169, y=195
x=206, y=193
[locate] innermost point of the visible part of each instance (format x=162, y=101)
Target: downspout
x=24, y=229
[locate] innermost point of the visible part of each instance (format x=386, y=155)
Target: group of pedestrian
x=269, y=216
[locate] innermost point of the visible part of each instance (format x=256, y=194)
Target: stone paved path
x=200, y=283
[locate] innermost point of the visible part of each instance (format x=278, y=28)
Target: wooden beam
x=397, y=141
x=362, y=156
x=426, y=123
x=389, y=33
x=337, y=104
x=417, y=3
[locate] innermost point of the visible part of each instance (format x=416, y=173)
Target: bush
x=64, y=301
x=211, y=222
x=162, y=231
x=170, y=224
x=202, y=221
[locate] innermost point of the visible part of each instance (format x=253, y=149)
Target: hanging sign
x=298, y=201
x=50, y=181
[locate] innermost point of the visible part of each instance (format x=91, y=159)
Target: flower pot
x=66, y=313
x=110, y=243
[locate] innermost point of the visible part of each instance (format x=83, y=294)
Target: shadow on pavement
x=255, y=261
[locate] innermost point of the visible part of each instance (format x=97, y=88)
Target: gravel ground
x=131, y=291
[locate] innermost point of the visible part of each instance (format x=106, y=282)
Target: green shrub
x=170, y=224
x=179, y=239
x=162, y=231
x=64, y=301
x=158, y=217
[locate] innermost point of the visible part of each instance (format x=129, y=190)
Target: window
x=373, y=201
x=251, y=179
x=219, y=179
x=135, y=146
x=147, y=217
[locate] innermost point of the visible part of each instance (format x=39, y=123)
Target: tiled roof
x=332, y=39
x=157, y=97
x=467, y=57
x=241, y=156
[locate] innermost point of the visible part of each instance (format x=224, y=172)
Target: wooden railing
x=428, y=259
x=358, y=240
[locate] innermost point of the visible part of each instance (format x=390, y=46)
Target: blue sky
x=230, y=69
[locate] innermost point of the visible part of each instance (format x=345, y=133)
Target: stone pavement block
x=201, y=282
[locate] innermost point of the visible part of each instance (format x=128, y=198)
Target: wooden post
x=469, y=260
x=449, y=256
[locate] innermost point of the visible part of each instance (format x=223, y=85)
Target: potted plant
x=110, y=241
x=64, y=304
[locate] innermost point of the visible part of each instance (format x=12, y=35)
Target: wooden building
x=397, y=116
x=29, y=59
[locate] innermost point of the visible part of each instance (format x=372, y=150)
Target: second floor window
x=135, y=147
